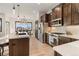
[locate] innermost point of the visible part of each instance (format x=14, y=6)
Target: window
x=23, y=26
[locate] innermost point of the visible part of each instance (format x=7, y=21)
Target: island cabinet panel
x=19, y=47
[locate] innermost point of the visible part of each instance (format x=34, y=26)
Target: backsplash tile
x=73, y=29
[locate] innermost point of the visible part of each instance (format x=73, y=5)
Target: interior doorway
x=7, y=27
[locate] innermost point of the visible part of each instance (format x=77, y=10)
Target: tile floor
x=37, y=48
x=40, y=49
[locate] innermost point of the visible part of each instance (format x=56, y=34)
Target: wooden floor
x=40, y=49
x=36, y=48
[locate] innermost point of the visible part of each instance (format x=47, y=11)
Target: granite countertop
x=11, y=36
x=18, y=36
x=68, y=49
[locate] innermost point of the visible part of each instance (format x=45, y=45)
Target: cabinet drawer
x=63, y=40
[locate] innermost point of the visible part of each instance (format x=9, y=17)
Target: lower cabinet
x=63, y=40
x=19, y=47
x=46, y=38
x=57, y=54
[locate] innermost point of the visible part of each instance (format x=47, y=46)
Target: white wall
x=33, y=17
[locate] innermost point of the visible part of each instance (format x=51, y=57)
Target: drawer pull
x=13, y=44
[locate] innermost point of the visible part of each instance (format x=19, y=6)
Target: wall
x=33, y=17
x=3, y=24
x=73, y=29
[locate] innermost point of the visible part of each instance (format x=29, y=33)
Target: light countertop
x=11, y=36
x=68, y=49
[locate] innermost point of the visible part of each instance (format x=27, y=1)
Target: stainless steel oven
x=53, y=40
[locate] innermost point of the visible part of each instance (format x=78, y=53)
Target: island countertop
x=11, y=36
x=68, y=49
x=18, y=36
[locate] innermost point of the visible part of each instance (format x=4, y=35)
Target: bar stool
x=2, y=47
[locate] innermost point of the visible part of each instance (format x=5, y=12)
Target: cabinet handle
x=13, y=44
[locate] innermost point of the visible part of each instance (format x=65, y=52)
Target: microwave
x=56, y=22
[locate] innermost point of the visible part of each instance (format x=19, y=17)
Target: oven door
x=53, y=40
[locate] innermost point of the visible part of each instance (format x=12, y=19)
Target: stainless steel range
x=53, y=38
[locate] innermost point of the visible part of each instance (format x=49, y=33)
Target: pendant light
x=18, y=6
x=13, y=10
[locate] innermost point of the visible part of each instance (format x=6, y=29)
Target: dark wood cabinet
x=42, y=18
x=75, y=13
x=63, y=40
x=49, y=19
x=46, y=38
x=57, y=12
x=45, y=18
x=57, y=54
x=71, y=13
x=67, y=14
x=19, y=47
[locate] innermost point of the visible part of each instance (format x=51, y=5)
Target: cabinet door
x=63, y=40
x=42, y=18
x=67, y=14
x=47, y=18
x=19, y=47
x=75, y=13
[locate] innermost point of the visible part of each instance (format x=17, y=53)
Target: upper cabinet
x=71, y=14
x=75, y=14
x=45, y=18
x=57, y=12
x=66, y=13
x=56, y=16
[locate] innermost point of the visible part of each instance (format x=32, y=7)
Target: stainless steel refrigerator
x=39, y=31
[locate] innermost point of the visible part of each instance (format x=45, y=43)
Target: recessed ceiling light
x=34, y=11
x=57, y=8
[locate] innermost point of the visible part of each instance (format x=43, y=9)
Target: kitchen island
x=68, y=49
x=18, y=44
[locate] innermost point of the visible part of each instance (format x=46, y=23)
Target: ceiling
x=26, y=8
